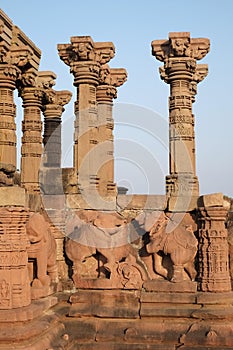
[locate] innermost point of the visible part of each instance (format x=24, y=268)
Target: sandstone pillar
x=18, y=54
x=53, y=109
x=106, y=91
x=8, y=76
x=179, y=54
x=32, y=92
x=85, y=58
x=214, y=274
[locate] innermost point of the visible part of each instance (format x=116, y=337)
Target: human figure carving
x=180, y=243
x=42, y=249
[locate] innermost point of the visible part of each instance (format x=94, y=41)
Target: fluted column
x=32, y=93
x=85, y=58
x=179, y=54
x=110, y=79
x=53, y=109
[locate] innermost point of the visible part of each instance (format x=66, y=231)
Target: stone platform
x=122, y=320
x=119, y=320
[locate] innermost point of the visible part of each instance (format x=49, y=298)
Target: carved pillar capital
x=85, y=58
x=54, y=102
x=179, y=54
x=180, y=45
x=109, y=80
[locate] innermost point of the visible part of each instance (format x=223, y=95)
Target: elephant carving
x=180, y=243
x=105, y=237
x=42, y=251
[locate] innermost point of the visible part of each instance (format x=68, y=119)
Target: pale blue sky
x=131, y=26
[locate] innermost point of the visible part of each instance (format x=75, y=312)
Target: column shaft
x=32, y=140
x=8, y=75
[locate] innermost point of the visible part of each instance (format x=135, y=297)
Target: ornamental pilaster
x=54, y=103
x=181, y=71
x=85, y=58
x=214, y=275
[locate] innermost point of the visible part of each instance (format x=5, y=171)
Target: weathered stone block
x=213, y=200
x=51, y=181
x=173, y=298
x=12, y=196
x=136, y=201
x=182, y=203
x=166, y=286
x=78, y=201
x=115, y=303
x=167, y=310
x=215, y=298
x=214, y=312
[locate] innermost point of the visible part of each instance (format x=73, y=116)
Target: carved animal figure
x=180, y=243
x=107, y=234
x=42, y=249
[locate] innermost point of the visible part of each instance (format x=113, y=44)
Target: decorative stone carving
x=18, y=54
x=41, y=254
x=96, y=85
x=32, y=91
x=214, y=274
x=179, y=242
x=105, y=92
x=181, y=72
x=105, y=237
x=14, y=280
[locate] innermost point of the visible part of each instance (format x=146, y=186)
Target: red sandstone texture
x=80, y=266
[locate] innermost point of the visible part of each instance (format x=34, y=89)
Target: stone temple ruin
x=85, y=267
